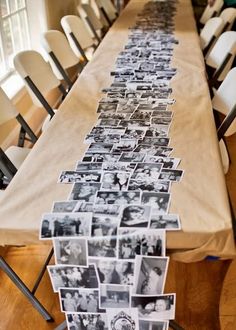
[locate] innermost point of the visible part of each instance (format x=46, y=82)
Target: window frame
x=3, y=38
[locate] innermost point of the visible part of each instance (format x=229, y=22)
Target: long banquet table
x=201, y=197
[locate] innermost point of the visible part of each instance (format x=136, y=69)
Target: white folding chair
x=108, y=9
x=225, y=98
x=8, y=112
x=78, y=36
x=221, y=56
x=210, y=32
x=93, y=24
x=13, y=157
x=61, y=56
x=211, y=11
x=228, y=15
x=224, y=101
x=39, y=79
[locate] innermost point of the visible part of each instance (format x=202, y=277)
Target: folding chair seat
x=228, y=15
x=210, y=32
x=211, y=11
x=61, y=56
x=78, y=36
x=221, y=56
x=94, y=25
x=39, y=79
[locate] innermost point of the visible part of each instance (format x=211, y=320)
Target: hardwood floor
x=197, y=285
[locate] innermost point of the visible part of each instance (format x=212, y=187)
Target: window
x=14, y=34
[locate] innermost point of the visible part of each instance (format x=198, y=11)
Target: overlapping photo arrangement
x=109, y=237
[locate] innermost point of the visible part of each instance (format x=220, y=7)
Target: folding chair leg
x=61, y=326
x=23, y=288
x=173, y=325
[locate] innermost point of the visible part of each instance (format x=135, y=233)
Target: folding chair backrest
x=7, y=110
x=226, y=44
x=31, y=64
x=74, y=24
x=228, y=15
x=211, y=11
x=99, y=13
x=55, y=42
x=225, y=98
x=89, y=12
x=213, y=27
x=109, y=8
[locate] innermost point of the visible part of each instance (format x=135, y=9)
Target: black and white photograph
x=84, y=191
x=79, y=300
x=141, y=115
x=148, y=172
x=123, y=319
x=124, y=145
x=135, y=216
x=115, y=180
x=86, y=167
x=85, y=321
x=161, y=307
x=107, y=210
x=114, y=296
x=105, y=107
x=144, y=185
x=118, y=167
x=101, y=157
x=163, y=151
x=74, y=177
x=160, y=141
x=113, y=115
x=160, y=130
x=63, y=206
x=165, y=221
x=159, y=201
x=167, y=162
x=108, y=138
x=104, y=226
x=99, y=148
x=151, y=149
x=150, y=275
x=161, y=121
x=111, y=271
x=118, y=197
x=172, y=175
x=102, y=247
x=108, y=122
x=126, y=107
x=133, y=133
x=153, y=325
x=133, y=123
x=65, y=224
x=82, y=206
x=162, y=113
x=71, y=251
x=141, y=242
x=73, y=277
x=132, y=157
